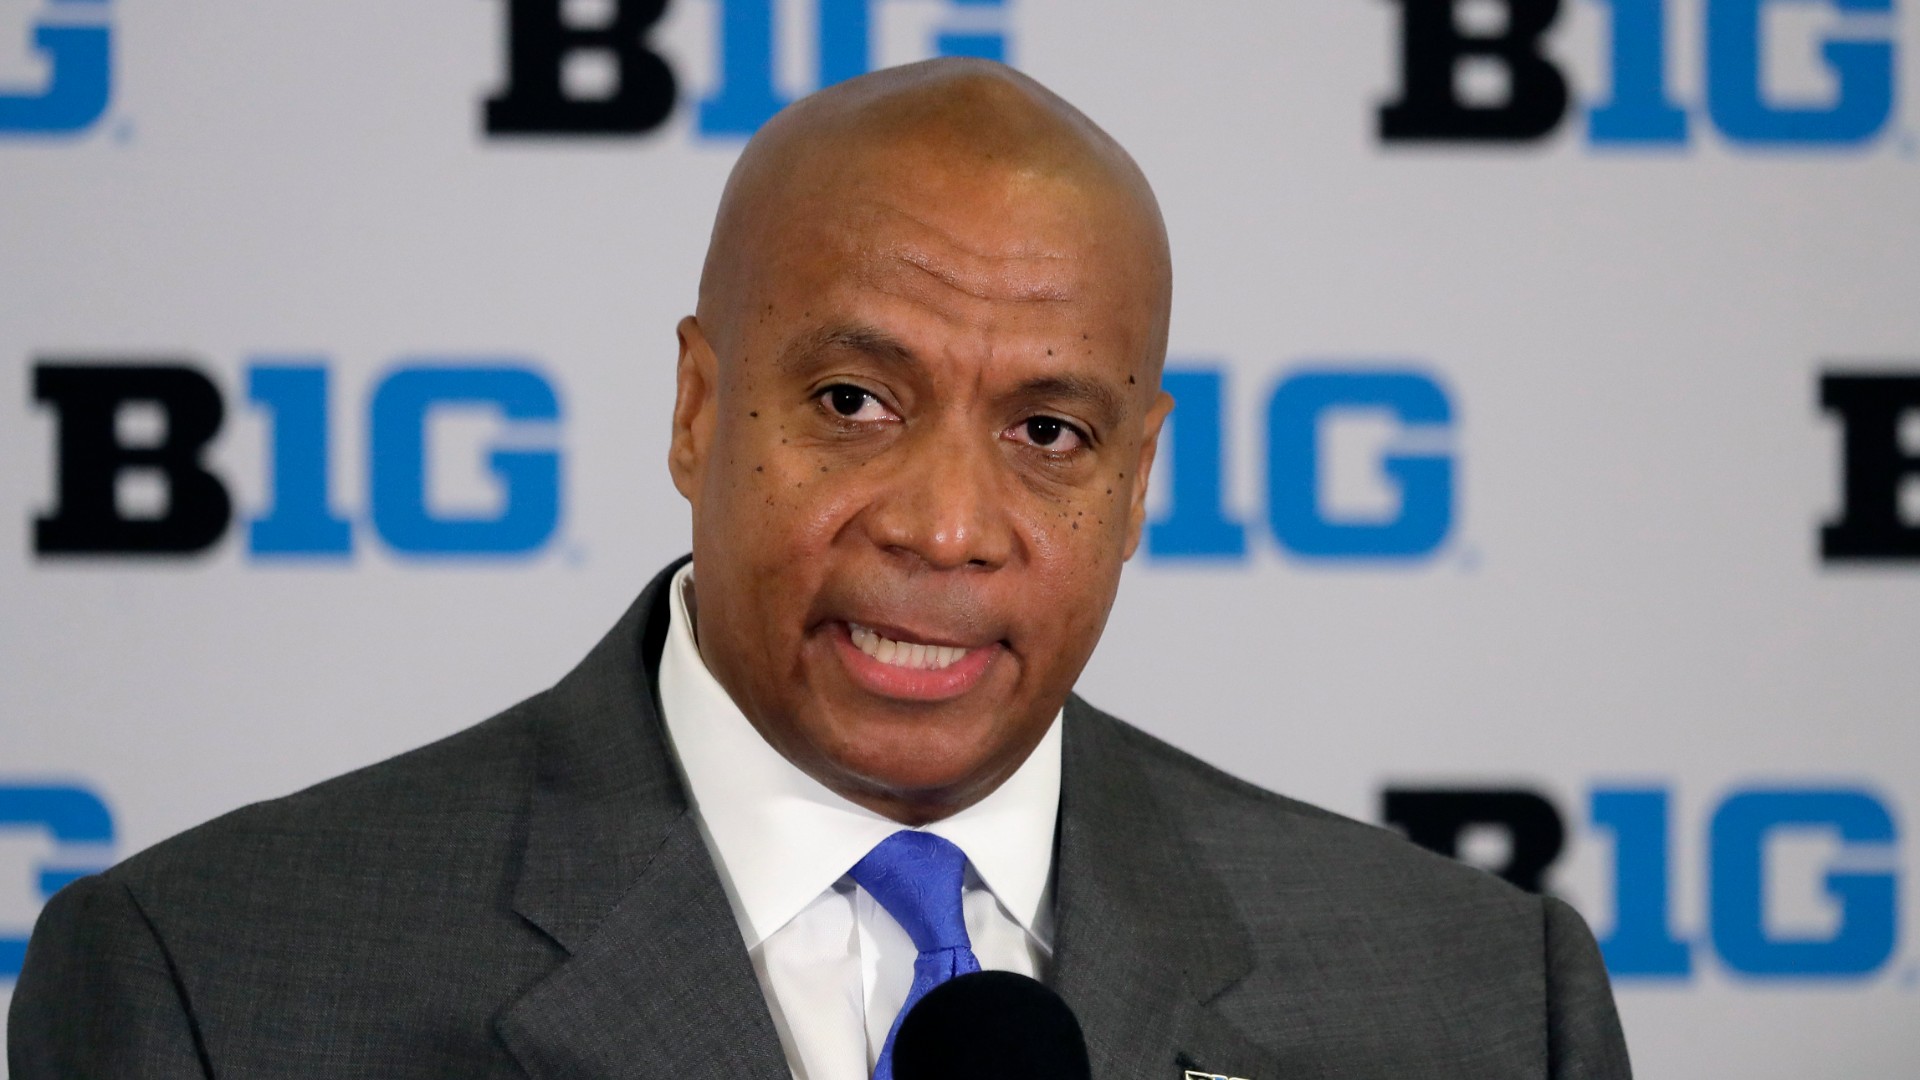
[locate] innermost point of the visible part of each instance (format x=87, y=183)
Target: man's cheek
x=806, y=499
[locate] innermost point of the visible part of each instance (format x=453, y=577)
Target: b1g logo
x=132, y=479
x=1749, y=863
x=587, y=68
x=1879, y=413
x=77, y=822
x=1478, y=70
x=1305, y=411
x=73, y=44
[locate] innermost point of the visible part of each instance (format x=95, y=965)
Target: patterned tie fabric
x=917, y=878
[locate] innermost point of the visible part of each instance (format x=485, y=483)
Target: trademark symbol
x=123, y=131
x=575, y=555
x=1468, y=560
x=1909, y=145
x=1910, y=978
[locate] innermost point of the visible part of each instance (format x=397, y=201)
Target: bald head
x=959, y=134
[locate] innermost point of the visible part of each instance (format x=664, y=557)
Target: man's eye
x=853, y=403
x=1048, y=433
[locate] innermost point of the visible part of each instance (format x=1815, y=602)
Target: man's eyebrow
x=866, y=340
x=883, y=347
x=1103, y=399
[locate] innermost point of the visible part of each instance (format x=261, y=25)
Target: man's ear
x=1149, y=445
x=695, y=404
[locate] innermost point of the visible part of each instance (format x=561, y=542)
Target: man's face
x=917, y=455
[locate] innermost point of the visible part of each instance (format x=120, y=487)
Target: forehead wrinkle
x=971, y=268
x=946, y=236
x=1009, y=287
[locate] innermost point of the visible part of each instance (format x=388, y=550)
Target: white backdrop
x=1605, y=582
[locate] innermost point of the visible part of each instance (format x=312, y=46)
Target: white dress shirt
x=834, y=966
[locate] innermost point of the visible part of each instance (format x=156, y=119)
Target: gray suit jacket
x=531, y=898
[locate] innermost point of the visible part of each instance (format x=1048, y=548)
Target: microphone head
x=990, y=1025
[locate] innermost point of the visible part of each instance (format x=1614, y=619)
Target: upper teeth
x=901, y=653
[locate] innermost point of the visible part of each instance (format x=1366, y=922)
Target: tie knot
x=917, y=878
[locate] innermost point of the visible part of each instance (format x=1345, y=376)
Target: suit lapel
x=654, y=976
x=1146, y=937
x=662, y=987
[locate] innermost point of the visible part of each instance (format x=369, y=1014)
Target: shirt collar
x=780, y=838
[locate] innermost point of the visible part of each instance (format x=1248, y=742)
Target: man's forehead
x=956, y=288
x=988, y=203
x=930, y=269
x=1010, y=253
x=1017, y=279
x=966, y=304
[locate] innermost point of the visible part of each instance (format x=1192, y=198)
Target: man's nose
x=944, y=505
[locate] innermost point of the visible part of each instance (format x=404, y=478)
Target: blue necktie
x=917, y=878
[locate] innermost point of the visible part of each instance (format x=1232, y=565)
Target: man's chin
x=936, y=759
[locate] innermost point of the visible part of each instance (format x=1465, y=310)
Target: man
x=836, y=759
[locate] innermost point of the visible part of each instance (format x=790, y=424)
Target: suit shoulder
x=1242, y=829
x=446, y=788
x=1346, y=923
x=1188, y=778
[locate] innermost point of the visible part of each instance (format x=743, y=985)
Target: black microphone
x=990, y=1025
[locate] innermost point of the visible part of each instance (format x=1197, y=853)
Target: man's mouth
x=906, y=654
x=904, y=670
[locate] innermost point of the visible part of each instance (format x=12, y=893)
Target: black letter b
x=539, y=43
x=1437, y=819
x=90, y=459
x=1432, y=48
x=1875, y=464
